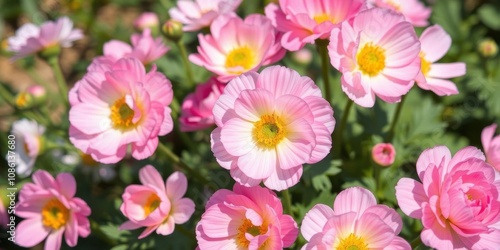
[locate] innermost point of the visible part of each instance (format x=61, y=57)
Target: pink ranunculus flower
x=383, y=154
x=50, y=211
x=196, y=110
x=236, y=46
x=30, y=39
x=198, y=14
x=156, y=205
x=377, y=54
x=119, y=104
x=432, y=76
x=144, y=47
x=29, y=142
x=268, y=125
x=414, y=11
x=491, y=146
x=457, y=199
x=304, y=21
x=147, y=20
x=355, y=222
x=245, y=218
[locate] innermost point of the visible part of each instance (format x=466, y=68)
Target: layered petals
x=491, y=146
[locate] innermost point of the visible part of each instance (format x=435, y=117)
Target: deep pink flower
x=116, y=105
x=245, y=218
x=355, y=222
x=435, y=43
x=147, y=20
x=304, y=21
x=197, y=14
x=383, y=154
x=30, y=39
x=237, y=46
x=491, y=146
x=414, y=11
x=377, y=54
x=144, y=47
x=196, y=110
x=268, y=125
x=457, y=199
x=156, y=205
x=50, y=210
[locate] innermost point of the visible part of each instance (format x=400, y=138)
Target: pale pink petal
x=439, y=86
x=374, y=231
x=148, y=231
x=71, y=232
x=289, y=231
x=149, y=176
x=353, y=199
x=54, y=240
x=223, y=221
x=166, y=227
x=67, y=184
x=281, y=179
x=176, y=186
x=435, y=43
x=410, y=195
x=236, y=136
x=487, y=136
x=398, y=243
x=30, y=232
x=182, y=210
x=447, y=70
x=433, y=156
x=259, y=163
x=315, y=220
x=252, y=104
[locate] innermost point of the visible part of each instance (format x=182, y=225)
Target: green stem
x=61, y=82
x=416, y=243
x=390, y=134
x=321, y=46
x=6, y=95
x=37, y=78
x=287, y=202
x=340, y=131
x=185, y=61
x=176, y=160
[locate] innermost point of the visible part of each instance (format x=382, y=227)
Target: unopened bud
x=147, y=20
x=172, y=30
x=488, y=48
x=38, y=93
x=384, y=154
x=24, y=100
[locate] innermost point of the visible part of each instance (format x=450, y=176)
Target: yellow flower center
x=152, y=203
x=394, y=4
x=269, y=131
x=122, y=115
x=371, y=59
x=22, y=100
x=241, y=57
x=87, y=160
x=248, y=227
x=321, y=18
x=425, y=66
x=352, y=242
x=54, y=214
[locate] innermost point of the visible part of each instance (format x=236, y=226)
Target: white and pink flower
x=29, y=141
x=414, y=11
x=491, y=146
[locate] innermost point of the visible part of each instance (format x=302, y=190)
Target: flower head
x=432, y=76
x=304, y=21
x=383, y=154
x=355, y=222
x=119, y=104
x=144, y=47
x=237, y=46
x=245, y=218
x=268, y=125
x=156, y=205
x=50, y=211
x=377, y=54
x=30, y=39
x=196, y=110
x=457, y=199
x=491, y=146
x=147, y=20
x=29, y=144
x=414, y=11
x=197, y=14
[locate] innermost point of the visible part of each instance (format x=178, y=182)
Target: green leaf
x=490, y=16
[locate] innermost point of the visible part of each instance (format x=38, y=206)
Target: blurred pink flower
x=355, y=222
x=237, y=46
x=50, y=210
x=458, y=199
x=269, y=124
x=144, y=47
x=304, y=21
x=28, y=144
x=198, y=14
x=377, y=54
x=4, y=216
x=196, y=111
x=383, y=154
x=414, y=11
x=116, y=105
x=147, y=20
x=30, y=39
x=435, y=42
x=155, y=204
x=491, y=146
x=245, y=218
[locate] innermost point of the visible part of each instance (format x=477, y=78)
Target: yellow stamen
x=243, y=57
x=352, y=242
x=371, y=59
x=54, y=214
x=22, y=100
x=269, y=131
x=152, y=203
x=122, y=115
x=321, y=18
x=248, y=227
x=425, y=66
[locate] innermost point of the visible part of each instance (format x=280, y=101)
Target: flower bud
x=24, y=100
x=38, y=93
x=147, y=20
x=383, y=154
x=303, y=56
x=488, y=48
x=172, y=30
